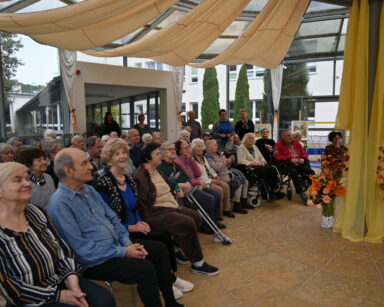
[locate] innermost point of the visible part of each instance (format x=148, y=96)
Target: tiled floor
x=281, y=257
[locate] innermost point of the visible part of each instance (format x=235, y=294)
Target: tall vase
x=328, y=216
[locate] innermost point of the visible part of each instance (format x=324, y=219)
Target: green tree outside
x=242, y=100
x=210, y=106
x=9, y=45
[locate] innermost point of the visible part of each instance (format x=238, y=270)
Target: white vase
x=327, y=221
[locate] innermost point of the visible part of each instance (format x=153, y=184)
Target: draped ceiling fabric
x=362, y=213
x=181, y=42
x=67, y=61
x=87, y=24
x=94, y=23
x=277, y=81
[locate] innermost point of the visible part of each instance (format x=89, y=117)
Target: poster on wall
x=259, y=127
x=302, y=127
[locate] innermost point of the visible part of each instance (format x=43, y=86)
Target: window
x=232, y=72
x=138, y=65
x=231, y=110
x=194, y=75
x=155, y=65
x=195, y=108
x=312, y=68
x=259, y=71
x=250, y=71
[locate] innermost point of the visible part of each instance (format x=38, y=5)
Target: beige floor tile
x=352, y=268
x=251, y=293
x=329, y=289
x=277, y=298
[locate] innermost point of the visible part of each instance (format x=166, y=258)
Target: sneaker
x=205, y=269
x=217, y=239
x=183, y=285
x=177, y=292
x=180, y=258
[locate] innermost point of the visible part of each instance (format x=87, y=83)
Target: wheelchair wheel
x=289, y=193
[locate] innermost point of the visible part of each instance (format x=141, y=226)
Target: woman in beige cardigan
x=249, y=158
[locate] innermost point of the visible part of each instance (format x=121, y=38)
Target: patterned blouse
x=33, y=263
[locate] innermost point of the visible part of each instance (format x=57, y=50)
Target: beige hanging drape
x=85, y=25
x=181, y=42
x=267, y=40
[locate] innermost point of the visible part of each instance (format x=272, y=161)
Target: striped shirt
x=33, y=263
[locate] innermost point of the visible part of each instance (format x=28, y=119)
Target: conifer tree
x=242, y=95
x=210, y=106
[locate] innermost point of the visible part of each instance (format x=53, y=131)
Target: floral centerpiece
x=327, y=185
x=380, y=168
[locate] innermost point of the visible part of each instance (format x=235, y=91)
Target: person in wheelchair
x=293, y=159
x=252, y=163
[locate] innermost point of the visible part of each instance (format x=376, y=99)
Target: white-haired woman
x=6, y=153
x=235, y=179
x=210, y=178
x=37, y=266
x=250, y=159
x=147, y=138
x=184, y=135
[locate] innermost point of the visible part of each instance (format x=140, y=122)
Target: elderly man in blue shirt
x=101, y=244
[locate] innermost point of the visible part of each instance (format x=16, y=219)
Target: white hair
x=48, y=132
x=197, y=141
x=105, y=138
x=247, y=135
x=146, y=136
x=182, y=132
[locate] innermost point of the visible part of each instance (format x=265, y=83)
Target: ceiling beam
x=337, y=2
x=17, y=6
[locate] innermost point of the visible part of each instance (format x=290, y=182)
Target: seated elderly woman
x=210, y=178
x=119, y=192
x=42, y=184
x=6, y=153
x=249, y=157
x=235, y=179
x=159, y=208
x=186, y=162
x=36, y=266
x=232, y=146
x=178, y=179
x=184, y=135
x=146, y=138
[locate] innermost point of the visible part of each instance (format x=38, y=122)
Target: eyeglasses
x=171, y=149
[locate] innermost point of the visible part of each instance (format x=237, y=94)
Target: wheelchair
x=286, y=181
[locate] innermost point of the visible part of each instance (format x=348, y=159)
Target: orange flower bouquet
x=328, y=184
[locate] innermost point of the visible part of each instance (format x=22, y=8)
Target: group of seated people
x=123, y=211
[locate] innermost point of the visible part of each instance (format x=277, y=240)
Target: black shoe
x=279, y=195
x=180, y=258
x=271, y=198
x=220, y=219
x=205, y=269
x=220, y=225
x=248, y=206
x=206, y=229
x=229, y=214
x=238, y=208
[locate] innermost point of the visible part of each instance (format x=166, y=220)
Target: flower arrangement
x=328, y=184
x=380, y=168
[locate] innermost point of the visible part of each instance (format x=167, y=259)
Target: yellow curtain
x=363, y=203
x=85, y=25
x=181, y=42
x=267, y=40
x=375, y=196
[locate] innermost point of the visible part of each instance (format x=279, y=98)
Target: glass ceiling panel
x=236, y=28
x=345, y=26
x=256, y=5
x=6, y=3
x=171, y=18
x=313, y=45
x=316, y=6
x=126, y=39
x=341, y=43
x=42, y=5
x=219, y=46
x=319, y=27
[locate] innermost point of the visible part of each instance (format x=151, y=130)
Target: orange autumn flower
x=340, y=190
x=326, y=190
x=326, y=199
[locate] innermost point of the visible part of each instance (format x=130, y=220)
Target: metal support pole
x=3, y=131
